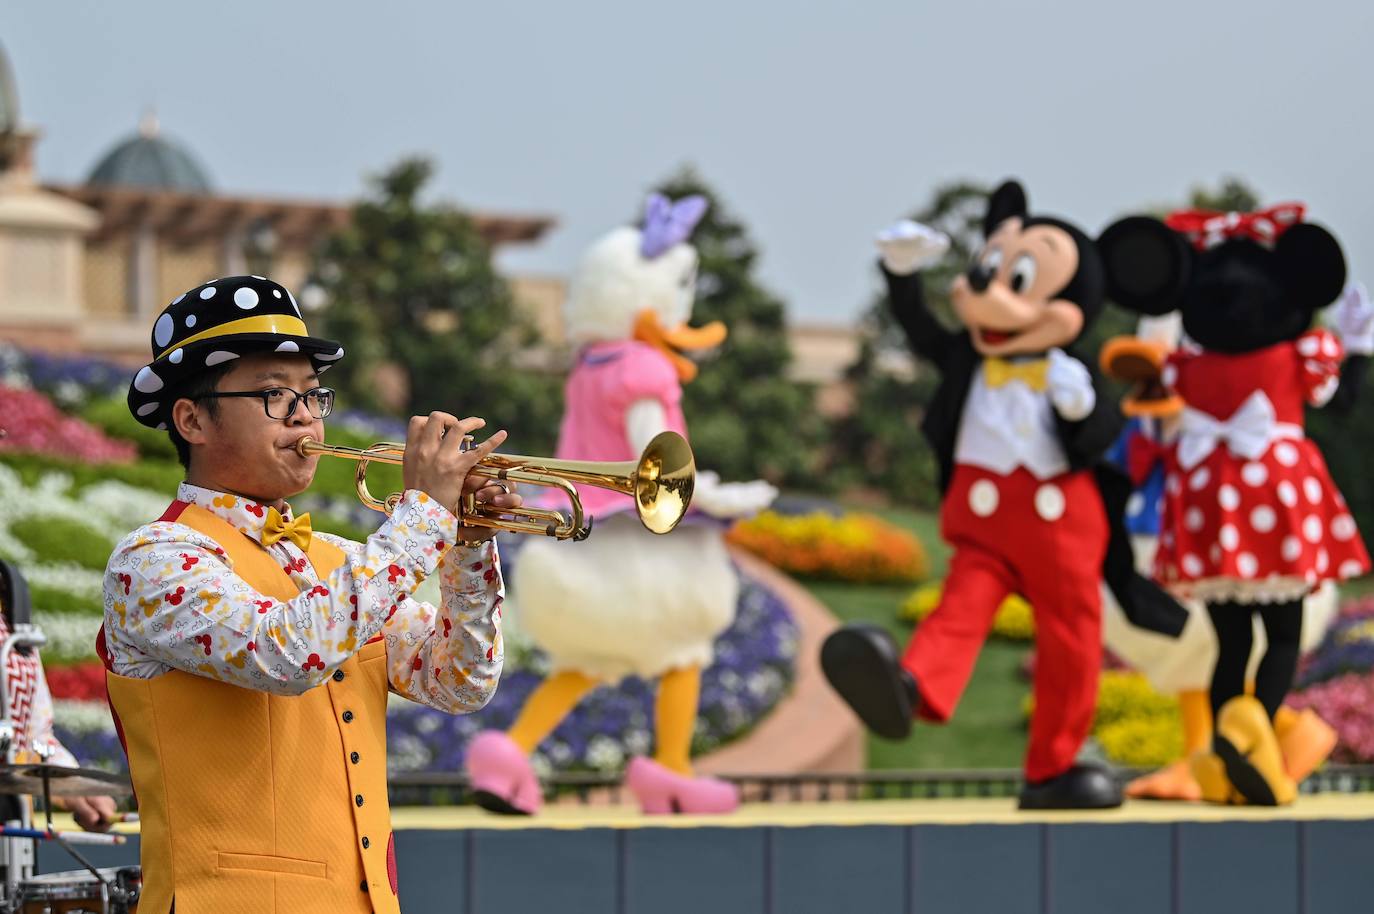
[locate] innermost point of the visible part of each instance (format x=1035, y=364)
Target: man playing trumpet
x=249, y=659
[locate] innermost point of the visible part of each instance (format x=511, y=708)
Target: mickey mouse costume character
x=249, y=658
x=1019, y=428
x=1252, y=520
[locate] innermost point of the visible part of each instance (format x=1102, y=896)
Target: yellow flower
x=1015, y=620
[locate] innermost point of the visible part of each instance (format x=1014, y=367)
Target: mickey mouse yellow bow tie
x=277, y=528
x=998, y=372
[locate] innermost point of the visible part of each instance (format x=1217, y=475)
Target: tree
x=747, y=418
x=883, y=445
x=426, y=320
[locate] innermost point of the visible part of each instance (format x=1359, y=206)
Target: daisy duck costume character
x=627, y=602
x=1019, y=427
x=1252, y=521
x=1183, y=666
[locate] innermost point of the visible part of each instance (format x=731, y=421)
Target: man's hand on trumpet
x=436, y=463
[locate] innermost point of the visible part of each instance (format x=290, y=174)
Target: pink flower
x=33, y=424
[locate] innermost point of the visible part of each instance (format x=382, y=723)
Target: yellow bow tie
x=997, y=372
x=277, y=528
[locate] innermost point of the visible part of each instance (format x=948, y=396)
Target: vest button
x=353, y=757
x=338, y=675
x=348, y=717
x=366, y=843
x=364, y=885
x=358, y=799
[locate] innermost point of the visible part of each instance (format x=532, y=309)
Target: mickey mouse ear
x=1147, y=264
x=1006, y=201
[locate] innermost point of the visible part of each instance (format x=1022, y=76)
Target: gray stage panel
x=694, y=870
x=1237, y=866
x=512, y=872
x=1124, y=869
x=960, y=869
x=832, y=869
x=1338, y=876
x=432, y=870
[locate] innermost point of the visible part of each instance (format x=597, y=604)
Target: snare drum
x=79, y=892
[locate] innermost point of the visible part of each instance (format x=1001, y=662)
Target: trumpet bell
x=664, y=480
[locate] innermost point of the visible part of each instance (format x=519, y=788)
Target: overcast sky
x=816, y=126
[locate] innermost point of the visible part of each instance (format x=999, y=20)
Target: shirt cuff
x=423, y=529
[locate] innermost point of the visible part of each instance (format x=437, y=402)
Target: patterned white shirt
x=173, y=601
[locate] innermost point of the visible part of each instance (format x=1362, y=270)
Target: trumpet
x=660, y=482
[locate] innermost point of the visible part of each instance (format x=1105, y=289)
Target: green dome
x=150, y=160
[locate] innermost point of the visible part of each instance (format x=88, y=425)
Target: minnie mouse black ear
x=1006, y=201
x=1147, y=263
x=1311, y=265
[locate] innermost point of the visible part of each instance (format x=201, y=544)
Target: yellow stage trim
x=869, y=812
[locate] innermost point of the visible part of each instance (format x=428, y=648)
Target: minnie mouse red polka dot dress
x=1251, y=513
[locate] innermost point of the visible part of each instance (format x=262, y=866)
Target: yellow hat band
x=263, y=323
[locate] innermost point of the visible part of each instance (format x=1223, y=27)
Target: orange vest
x=254, y=803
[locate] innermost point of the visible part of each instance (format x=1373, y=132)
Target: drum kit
x=89, y=890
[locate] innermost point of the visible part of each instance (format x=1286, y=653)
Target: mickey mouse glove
x=908, y=246
x=1070, y=386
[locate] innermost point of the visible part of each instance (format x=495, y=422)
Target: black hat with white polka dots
x=212, y=324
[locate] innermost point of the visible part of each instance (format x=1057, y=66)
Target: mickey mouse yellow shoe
x=1249, y=750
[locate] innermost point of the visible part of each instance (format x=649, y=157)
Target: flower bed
x=1014, y=621
x=753, y=670
x=854, y=547
x=34, y=425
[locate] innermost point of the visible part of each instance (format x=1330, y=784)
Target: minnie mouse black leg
x=1283, y=629
x=1234, y=626
x=1245, y=743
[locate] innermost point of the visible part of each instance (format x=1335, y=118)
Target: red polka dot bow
x=1208, y=228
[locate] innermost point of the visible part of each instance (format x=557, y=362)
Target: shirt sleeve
x=449, y=657
x=41, y=723
x=172, y=596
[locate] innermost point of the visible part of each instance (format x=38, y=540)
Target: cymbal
x=27, y=779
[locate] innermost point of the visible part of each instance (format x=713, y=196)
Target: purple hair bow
x=667, y=223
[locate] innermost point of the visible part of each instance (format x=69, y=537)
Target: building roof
x=150, y=160
x=189, y=217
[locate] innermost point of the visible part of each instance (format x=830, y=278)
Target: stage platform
x=884, y=857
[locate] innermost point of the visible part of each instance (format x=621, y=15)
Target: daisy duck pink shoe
x=662, y=791
x=501, y=777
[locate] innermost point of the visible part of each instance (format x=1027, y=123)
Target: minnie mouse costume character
x=1019, y=428
x=1252, y=520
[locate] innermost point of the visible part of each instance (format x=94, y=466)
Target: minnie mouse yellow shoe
x=1249, y=750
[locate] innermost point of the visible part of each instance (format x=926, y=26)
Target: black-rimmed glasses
x=280, y=402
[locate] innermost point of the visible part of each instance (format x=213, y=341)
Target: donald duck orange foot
x=1244, y=764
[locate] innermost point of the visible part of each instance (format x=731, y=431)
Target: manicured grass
x=988, y=731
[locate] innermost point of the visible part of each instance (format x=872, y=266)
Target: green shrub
x=111, y=415
x=57, y=539
x=61, y=601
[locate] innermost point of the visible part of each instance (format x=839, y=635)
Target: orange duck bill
x=1141, y=364
x=682, y=338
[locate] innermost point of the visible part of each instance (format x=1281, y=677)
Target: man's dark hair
x=194, y=387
